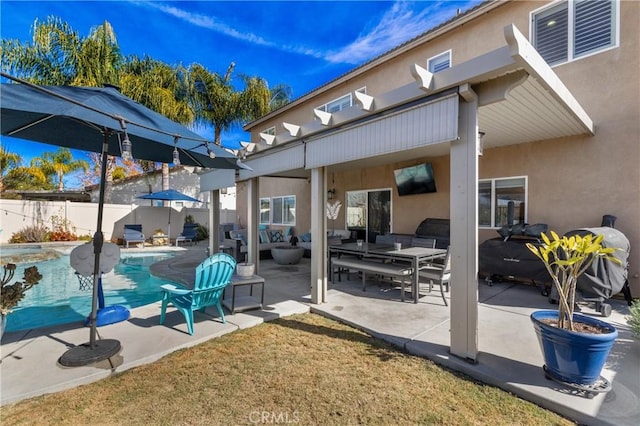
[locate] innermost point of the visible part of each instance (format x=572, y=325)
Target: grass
x=304, y=369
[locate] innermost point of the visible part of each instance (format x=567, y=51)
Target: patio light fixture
x=210, y=152
x=480, y=147
x=126, y=143
x=176, y=154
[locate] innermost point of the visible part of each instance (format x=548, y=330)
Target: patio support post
x=253, y=219
x=214, y=221
x=464, y=229
x=318, y=236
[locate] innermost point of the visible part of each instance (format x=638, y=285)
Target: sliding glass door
x=369, y=213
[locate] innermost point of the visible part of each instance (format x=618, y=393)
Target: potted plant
x=10, y=295
x=575, y=347
x=245, y=269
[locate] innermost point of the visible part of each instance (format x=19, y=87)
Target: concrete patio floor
x=509, y=355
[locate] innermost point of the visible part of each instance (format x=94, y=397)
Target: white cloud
x=400, y=23
x=210, y=23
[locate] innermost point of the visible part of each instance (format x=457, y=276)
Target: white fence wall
x=18, y=214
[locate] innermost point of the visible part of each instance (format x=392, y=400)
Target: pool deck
x=509, y=356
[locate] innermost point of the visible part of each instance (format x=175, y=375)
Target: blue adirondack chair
x=212, y=276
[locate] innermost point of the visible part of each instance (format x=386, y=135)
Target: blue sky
x=301, y=44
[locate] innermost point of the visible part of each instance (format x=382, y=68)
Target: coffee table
x=287, y=255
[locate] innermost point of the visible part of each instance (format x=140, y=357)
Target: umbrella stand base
x=84, y=355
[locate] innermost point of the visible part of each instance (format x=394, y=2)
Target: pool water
x=57, y=298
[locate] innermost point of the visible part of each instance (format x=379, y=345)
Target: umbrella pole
x=95, y=351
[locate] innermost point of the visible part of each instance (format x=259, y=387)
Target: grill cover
x=437, y=229
x=605, y=278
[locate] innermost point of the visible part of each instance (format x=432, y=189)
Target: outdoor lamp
x=211, y=153
x=176, y=154
x=126, y=143
x=480, y=145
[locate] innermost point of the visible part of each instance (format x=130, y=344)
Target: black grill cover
x=437, y=229
x=605, y=278
x=511, y=259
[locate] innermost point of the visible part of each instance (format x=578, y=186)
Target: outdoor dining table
x=417, y=256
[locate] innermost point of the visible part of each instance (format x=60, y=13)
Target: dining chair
x=423, y=242
x=438, y=274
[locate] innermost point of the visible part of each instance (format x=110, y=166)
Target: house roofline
x=431, y=34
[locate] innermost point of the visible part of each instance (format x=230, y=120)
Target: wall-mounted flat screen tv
x=416, y=179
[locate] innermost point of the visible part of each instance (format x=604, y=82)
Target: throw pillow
x=264, y=236
x=277, y=236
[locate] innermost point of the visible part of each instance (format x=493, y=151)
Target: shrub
x=63, y=230
x=634, y=318
x=31, y=234
x=203, y=233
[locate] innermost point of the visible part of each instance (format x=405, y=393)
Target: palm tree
x=217, y=102
x=280, y=96
x=59, y=164
x=8, y=160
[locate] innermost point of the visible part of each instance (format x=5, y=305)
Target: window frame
x=272, y=203
x=337, y=100
x=270, y=131
x=268, y=201
x=448, y=53
x=493, y=208
x=571, y=24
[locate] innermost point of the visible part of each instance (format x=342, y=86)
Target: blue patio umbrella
x=105, y=121
x=169, y=195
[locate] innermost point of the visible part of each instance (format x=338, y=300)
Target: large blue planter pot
x=569, y=356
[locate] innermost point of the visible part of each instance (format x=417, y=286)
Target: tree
x=280, y=96
x=58, y=164
x=8, y=160
x=27, y=179
x=217, y=102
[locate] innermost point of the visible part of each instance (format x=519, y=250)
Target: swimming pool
x=57, y=299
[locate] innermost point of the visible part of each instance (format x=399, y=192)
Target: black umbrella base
x=85, y=355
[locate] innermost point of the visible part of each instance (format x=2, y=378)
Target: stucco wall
x=277, y=187
x=82, y=217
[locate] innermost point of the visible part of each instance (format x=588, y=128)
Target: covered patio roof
x=520, y=100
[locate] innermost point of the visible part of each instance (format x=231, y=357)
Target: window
x=494, y=196
x=341, y=103
x=265, y=210
x=573, y=29
x=439, y=62
x=278, y=210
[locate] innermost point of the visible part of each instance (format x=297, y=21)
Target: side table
x=160, y=240
x=243, y=303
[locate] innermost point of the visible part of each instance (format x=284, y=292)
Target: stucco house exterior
x=528, y=101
